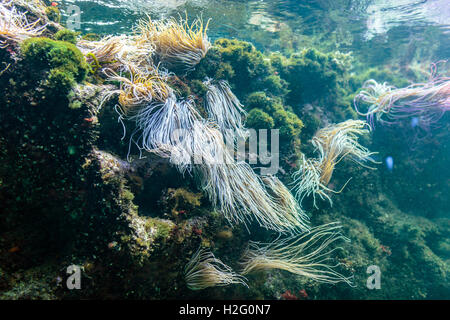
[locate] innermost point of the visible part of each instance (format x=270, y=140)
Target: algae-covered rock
x=241, y=64
x=53, y=14
x=281, y=116
x=258, y=119
x=66, y=35
x=311, y=75
x=66, y=65
x=70, y=195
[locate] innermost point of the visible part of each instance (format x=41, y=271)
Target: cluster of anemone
x=15, y=26
x=233, y=188
x=173, y=128
x=120, y=53
x=384, y=103
x=131, y=60
x=333, y=143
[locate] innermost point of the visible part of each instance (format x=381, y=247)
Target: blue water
x=377, y=30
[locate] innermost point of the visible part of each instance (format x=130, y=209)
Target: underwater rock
x=71, y=197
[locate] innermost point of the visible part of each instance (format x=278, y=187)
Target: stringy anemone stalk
x=334, y=143
x=119, y=53
x=205, y=270
x=159, y=123
x=387, y=104
x=14, y=25
x=307, y=255
x=178, y=44
x=224, y=108
x=238, y=192
x=140, y=89
x=175, y=130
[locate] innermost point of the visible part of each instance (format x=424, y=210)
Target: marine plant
x=258, y=119
x=66, y=35
x=310, y=74
x=282, y=117
x=242, y=65
x=66, y=64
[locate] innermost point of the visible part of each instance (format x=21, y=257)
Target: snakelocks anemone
x=205, y=270
x=178, y=44
x=427, y=101
x=241, y=195
x=308, y=255
x=159, y=122
x=225, y=109
x=197, y=143
x=334, y=143
x=14, y=25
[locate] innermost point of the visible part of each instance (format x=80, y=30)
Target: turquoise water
x=379, y=31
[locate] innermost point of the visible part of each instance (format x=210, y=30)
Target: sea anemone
x=205, y=270
x=120, y=53
x=225, y=109
x=159, y=123
x=241, y=195
x=334, y=143
x=14, y=25
x=140, y=89
x=427, y=101
x=308, y=255
x=286, y=202
x=177, y=44
x=104, y=50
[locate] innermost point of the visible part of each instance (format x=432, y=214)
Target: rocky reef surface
x=70, y=197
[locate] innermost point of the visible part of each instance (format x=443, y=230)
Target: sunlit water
x=377, y=30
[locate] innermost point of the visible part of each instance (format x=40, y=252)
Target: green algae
x=53, y=14
x=65, y=63
x=67, y=36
